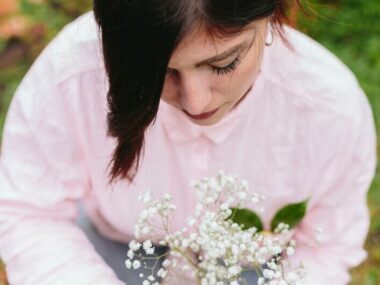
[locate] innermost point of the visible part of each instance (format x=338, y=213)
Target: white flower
x=276, y=250
x=272, y=265
x=145, y=230
x=292, y=277
x=242, y=195
x=130, y=254
x=185, y=243
x=146, y=197
x=255, y=199
x=147, y=244
x=191, y=221
x=263, y=251
x=136, y=264
x=234, y=270
x=224, y=206
x=128, y=264
x=185, y=267
x=268, y=274
x=260, y=281
x=162, y=273
x=289, y=251
x=277, y=274
x=134, y=245
x=168, y=197
x=166, y=263
x=210, y=200
x=148, y=248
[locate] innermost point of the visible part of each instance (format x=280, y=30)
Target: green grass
x=9, y=79
x=349, y=28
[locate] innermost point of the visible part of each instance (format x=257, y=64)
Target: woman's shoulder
x=74, y=50
x=312, y=75
x=82, y=29
x=69, y=69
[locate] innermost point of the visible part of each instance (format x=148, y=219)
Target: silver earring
x=271, y=36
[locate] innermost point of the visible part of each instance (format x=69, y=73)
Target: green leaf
x=291, y=215
x=246, y=218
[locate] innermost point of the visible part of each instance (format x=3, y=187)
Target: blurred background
x=349, y=28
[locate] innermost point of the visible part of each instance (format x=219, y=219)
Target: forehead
x=197, y=45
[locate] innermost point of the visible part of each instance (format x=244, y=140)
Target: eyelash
x=229, y=68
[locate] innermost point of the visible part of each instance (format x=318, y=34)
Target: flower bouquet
x=222, y=239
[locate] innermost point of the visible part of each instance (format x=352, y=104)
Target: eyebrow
x=223, y=55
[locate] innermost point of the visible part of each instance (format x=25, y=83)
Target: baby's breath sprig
x=223, y=243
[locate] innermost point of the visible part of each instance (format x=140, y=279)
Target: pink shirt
x=305, y=129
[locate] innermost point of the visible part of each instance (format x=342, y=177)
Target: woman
x=169, y=91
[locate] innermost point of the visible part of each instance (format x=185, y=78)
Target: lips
x=201, y=116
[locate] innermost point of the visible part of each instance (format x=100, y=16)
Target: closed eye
x=227, y=69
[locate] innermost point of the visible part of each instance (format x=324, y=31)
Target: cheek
x=168, y=93
x=245, y=74
x=240, y=80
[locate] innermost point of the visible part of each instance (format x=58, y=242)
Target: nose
x=195, y=93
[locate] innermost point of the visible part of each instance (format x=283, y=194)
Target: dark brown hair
x=138, y=39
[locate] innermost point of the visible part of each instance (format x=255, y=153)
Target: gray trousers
x=114, y=254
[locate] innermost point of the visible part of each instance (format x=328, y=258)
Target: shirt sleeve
x=42, y=175
x=338, y=207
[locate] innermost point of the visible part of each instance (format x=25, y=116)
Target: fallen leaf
x=8, y=7
x=14, y=26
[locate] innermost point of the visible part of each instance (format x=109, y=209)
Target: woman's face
x=196, y=82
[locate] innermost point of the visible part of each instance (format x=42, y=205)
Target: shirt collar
x=180, y=129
